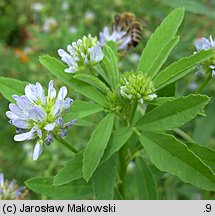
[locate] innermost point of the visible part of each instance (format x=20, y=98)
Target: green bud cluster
x=207, y=64
x=113, y=103
x=137, y=87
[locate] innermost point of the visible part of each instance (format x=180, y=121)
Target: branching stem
x=75, y=151
x=202, y=86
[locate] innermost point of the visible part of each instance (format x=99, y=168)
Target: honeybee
x=128, y=22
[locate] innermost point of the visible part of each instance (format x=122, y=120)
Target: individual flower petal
x=65, y=57
x=63, y=133
x=51, y=91
x=31, y=93
x=11, y=115
x=49, y=139
x=37, y=114
x=26, y=136
x=70, y=123
x=66, y=105
x=20, y=123
x=50, y=127
x=19, y=191
x=40, y=93
x=57, y=107
x=1, y=180
x=23, y=103
x=60, y=122
x=62, y=93
x=11, y=186
x=96, y=54
x=16, y=110
x=38, y=148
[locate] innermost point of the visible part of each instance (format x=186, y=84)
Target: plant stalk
x=202, y=86
x=134, y=107
x=75, y=151
x=122, y=171
x=182, y=134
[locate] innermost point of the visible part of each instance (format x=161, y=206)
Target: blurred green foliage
x=30, y=28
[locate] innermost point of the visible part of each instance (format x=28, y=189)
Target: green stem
x=75, y=151
x=134, y=107
x=136, y=131
x=122, y=171
x=202, y=86
x=182, y=134
x=135, y=152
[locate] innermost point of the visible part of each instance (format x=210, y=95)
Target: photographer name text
x=58, y=208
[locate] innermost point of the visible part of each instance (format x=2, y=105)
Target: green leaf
x=160, y=100
x=78, y=189
x=113, y=46
x=96, y=146
x=71, y=171
x=179, y=69
x=171, y=155
x=108, y=70
x=161, y=59
x=173, y=114
x=162, y=40
x=9, y=87
x=56, y=67
x=81, y=109
x=103, y=73
x=93, y=81
x=167, y=91
x=205, y=126
x=104, y=179
x=84, y=123
x=147, y=188
x=111, y=65
x=205, y=153
x=193, y=6
x=116, y=142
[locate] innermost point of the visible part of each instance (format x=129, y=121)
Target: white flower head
x=120, y=37
x=65, y=5
x=89, y=17
x=134, y=57
x=208, y=65
x=10, y=190
x=37, y=7
x=84, y=53
x=50, y=23
x=39, y=117
x=73, y=29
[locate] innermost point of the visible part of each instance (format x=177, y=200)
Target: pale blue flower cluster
x=39, y=117
x=84, y=53
x=205, y=44
x=10, y=190
x=120, y=37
